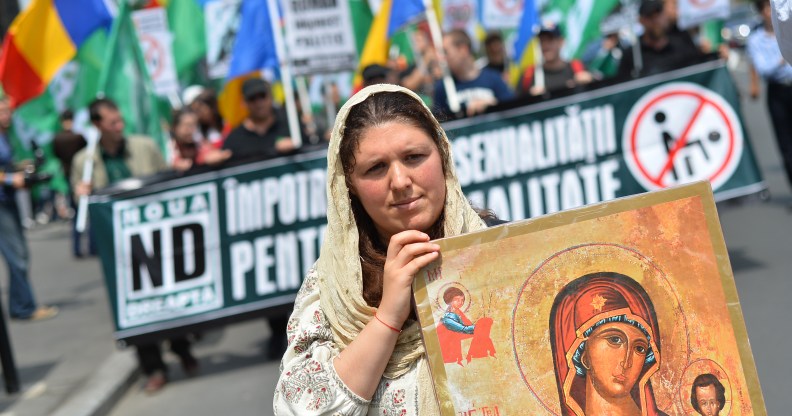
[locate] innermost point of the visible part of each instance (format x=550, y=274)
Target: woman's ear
x=584, y=360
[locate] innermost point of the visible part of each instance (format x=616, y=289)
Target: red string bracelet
x=398, y=331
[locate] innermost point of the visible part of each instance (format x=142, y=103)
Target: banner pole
x=285, y=68
x=636, y=45
x=437, y=40
x=307, y=111
x=92, y=137
x=327, y=96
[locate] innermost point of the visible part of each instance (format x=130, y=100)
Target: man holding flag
x=477, y=88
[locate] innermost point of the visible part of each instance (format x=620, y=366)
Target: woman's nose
x=400, y=177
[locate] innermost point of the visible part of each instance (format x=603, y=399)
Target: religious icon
x=604, y=336
x=593, y=311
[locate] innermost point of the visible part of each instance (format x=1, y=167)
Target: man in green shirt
x=116, y=157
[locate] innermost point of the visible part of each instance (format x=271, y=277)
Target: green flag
x=90, y=58
x=125, y=80
x=580, y=20
x=186, y=22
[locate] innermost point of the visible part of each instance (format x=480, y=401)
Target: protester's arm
x=14, y=180
x=764, y=63
x=363, y=362
x=76, y=175
x=308, y=359
x=754, y=82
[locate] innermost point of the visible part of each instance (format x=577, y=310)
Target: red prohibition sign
x=683, y=139
x=153, y=54
x=701, y=4
x=509, y=7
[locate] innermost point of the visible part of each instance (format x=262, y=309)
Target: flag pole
x=307, y=111
x=539, y=73
x=437, y=40
x=285, y=68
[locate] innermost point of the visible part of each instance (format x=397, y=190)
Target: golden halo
x=440, y=303
x=531, y=317
x=704, y=366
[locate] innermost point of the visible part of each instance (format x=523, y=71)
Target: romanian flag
x=388, y=21
x=526, y=44
x=45, y=37
x=253, y=50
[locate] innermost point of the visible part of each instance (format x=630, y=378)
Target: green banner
x=638, y=136
x=202, y=249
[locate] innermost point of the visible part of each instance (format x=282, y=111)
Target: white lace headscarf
x=338, y=267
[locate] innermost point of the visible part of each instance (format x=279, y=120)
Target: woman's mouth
x=406, y=203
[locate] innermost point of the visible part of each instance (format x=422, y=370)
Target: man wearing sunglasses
x=264, y=134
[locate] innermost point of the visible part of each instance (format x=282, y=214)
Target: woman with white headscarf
x=354, y=344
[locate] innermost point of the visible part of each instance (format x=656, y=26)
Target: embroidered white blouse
x=309, y=384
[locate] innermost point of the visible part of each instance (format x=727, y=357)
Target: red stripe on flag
x=20, y=82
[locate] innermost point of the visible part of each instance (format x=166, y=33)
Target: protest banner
x=695, y=12
x=625, y=306
x=501, y=14
x=203, y=249
x=319, y=37
x=620, y=140
x=208, y=247
x=156, y=44
x=222, y=23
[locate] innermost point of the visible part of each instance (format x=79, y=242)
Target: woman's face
x=203, y=111
x=185, y=131
x=615, y=354
x=398, y=178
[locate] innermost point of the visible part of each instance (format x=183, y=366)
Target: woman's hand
x=408, y=252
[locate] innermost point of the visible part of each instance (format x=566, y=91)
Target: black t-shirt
x=246, y=145
x=679, y=52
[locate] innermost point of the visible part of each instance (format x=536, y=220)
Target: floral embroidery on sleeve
x=308, y=378
x=393, y=403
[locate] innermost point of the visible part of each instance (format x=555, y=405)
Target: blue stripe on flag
x=402, y=11
x=82, y=17
x=527, y=30
x=254, y=47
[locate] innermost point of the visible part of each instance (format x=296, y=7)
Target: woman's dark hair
x=208, y=97
x=377, y=110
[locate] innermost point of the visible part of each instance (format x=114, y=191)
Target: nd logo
x=174, y=254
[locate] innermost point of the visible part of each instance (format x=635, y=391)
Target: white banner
x=319, y=36
x=156, y=43
x=695, y=12
x=460, y=14
x=222, y=23
x=501, y=14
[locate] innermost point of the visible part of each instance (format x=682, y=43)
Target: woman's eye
x=374, y=169
x=640, y=349
x=615, y=339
